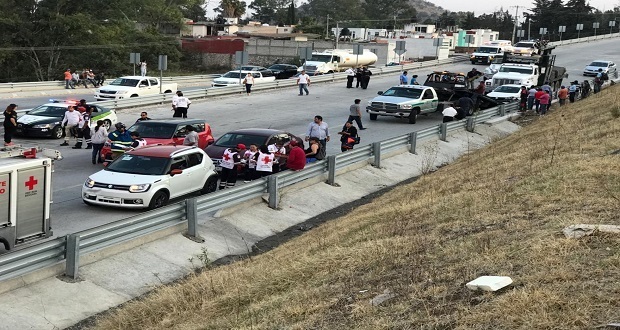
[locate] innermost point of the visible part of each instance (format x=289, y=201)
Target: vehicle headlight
x=139, y=188
x=494, y=71
x=404, y=106
x=89, y=183
x=41, y=126
x=369, y=103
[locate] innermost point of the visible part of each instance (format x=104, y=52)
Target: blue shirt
x=403, y=79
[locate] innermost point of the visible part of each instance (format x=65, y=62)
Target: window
x=257, y=75
x=178, y=163
x=153, y=82
x=428, y=94
x=144, y=83
x=194, y=159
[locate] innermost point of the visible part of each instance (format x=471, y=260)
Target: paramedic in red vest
x=264, y=161
x=230, y=159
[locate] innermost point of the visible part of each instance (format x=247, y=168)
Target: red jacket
x=538, y=94
x=296, y=159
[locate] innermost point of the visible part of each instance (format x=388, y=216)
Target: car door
x=429, y=101
x=181, y=184
x=198, y=172
x=179, y=134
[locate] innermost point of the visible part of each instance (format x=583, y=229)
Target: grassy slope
x=498, y=211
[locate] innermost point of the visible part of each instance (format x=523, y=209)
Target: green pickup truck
x=406, y=101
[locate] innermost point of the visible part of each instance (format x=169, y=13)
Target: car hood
x=595, y=68
x=502, y=95
x=215, y=152
x=115, y=88
x=125, y=179
x=32, y=119
x=394, y=99
x=228, y=81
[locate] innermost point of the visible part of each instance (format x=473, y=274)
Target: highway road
x=278, y=109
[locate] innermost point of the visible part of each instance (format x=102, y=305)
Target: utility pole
x=514, y=27
x=327, y=29
x=337, y=33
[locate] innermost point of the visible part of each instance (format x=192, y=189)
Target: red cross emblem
x=31, y=183
x=226, y=157
x=266, y=160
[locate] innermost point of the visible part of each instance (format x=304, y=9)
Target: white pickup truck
x=235, y=78
x=404, y=102
x=133, y=86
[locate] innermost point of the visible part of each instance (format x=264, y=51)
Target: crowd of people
x=87, y=76
x=361, y=75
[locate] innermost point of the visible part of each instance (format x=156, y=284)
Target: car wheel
x=373, y=117
x=159, y=199
x=413, y=117
x=57, y=132
x=107, y=124
x=210, y=186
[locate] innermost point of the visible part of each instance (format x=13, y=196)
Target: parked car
x=133, y=86
x=283, y=71
x=248, y=136
x=168, y=132
x=150, y=176
x=607, y=66
x=45, y=120
x=506, y=93
x=404, y=102
x=235, y=78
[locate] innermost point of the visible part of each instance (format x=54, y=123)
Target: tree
x=231, y=8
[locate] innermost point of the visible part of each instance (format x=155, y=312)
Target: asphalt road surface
x=277, y=109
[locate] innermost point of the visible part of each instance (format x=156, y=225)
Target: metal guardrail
x=71, y=247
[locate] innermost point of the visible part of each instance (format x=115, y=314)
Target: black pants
x=358, y=81
x=365, y=81
x=350, y=81
x=8, y=134
x=357, y=119
x=228, y=177
x=447, y=119
x=96, y=155
x=180, y=112
x=248, y=88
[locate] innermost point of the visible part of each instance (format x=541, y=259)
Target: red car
x=168, y=131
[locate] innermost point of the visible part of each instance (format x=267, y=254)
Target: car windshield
x=321, y=58
x=48, y=111
x=125, y=82
x=525, y=44
x=154, y=130
x=230, y=140
x=233, y=74
x=409, y=93
x=252, y=68
x=486, y=50
x=507, y=89
x=516, y=69
x=144, y=165
x=599, y=64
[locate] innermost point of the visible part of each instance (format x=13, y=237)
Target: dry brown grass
x=498, y=211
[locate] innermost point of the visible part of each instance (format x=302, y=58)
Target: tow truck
x=25, y=194
x=451, y=86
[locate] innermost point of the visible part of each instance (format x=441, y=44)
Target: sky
x=489, y=6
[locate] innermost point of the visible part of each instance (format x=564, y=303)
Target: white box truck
x=25, y=194
x=336, y=60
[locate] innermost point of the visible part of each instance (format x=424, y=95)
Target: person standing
x=318, y=129
x=448, y=114
x=365, y=77
x=572, y=91
x=348, y=136
x=99, y=134
x=539, y=93
x=84, y=126
x=598, y=81
x=119, y=140
x=414, y=80
x=545, y=100
x=142, y=68
x=562, y=95
x=523, y=94
x=180, y=106
x=403, y=80
x=143, y=116
x=264, y=161
x=278, y=150
x=471, y=78
x=136, y=141
x=531, y=96
x=248, y=82
x=70, y=120
x=69, y=80
x=296, y=158
x=355, y=113
x=304, y=82
x=250, y=163
x=10, y=124
x=350, y=76
x=191, y=138
x=229, y=162
x=358, y=77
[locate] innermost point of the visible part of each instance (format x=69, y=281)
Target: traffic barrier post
x=272, y=189
x=331, y=170
x=376, y=151
x=471, y=124
x=443, y=132
x=502, y=110
x=413, y=139
x=191, y=213
x=72, y=256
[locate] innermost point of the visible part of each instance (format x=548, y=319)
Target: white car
x=607, y=66
x=506, y=93
x=133, y=86
x=525, y=47
x=235, y=78
x=150, y=176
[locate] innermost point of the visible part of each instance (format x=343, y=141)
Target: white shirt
x=72, y=118
x=264, y=163
x=249, y=155
x=249, y=80
x=449, y=112
x=191, y=139
x=350, y=72
x=228, y=159
x=303, y=78
x=181, y=102
x=274, y=149
x=100, y=136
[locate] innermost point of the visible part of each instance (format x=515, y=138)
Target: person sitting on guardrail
x=75, y=79
x=90, y=76
x=414, y=80
x=100, y=78
x=296, y=158
x=315, y=151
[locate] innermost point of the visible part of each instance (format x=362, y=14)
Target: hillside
x=497, y=211
x=426, y=9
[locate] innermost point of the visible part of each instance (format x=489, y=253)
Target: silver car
x=607, y=66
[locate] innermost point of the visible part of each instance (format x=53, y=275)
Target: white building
x=362, y=33
x=414, y=28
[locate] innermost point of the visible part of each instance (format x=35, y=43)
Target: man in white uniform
x=71, y=119
x=304, y=82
